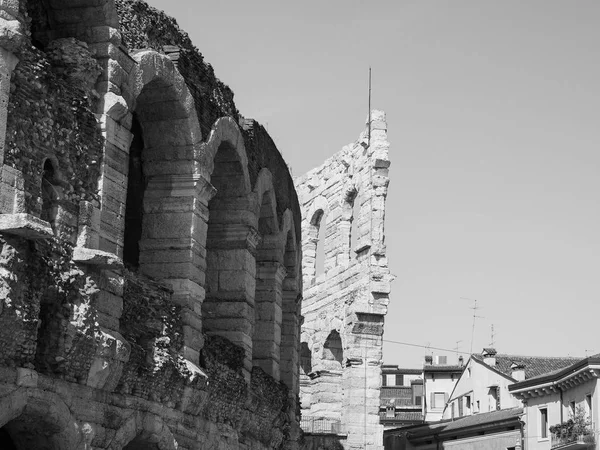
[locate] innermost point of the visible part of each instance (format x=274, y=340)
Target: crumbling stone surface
x=192, y=342
x=344, y=306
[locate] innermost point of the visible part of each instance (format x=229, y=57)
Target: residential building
x=483, y=385
x=439, y=379
x=496, y=430
x=401, y=396
x=561, y=407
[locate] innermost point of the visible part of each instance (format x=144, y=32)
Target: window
x=588, y=404
x=468, y=403
x=399, y=379
x=390, y=412
x=469, y=372
x=543, y=423
x=572, y=409
x=438, y=400
x=418, y=400
x=494, y=404
x=477, y=406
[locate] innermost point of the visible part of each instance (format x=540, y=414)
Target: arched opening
x=50, y=332
x=31, y=432
x=142, y=442
x=51, y=193
x=320, y=222
x=333, y=353
x=6, y=442
x=134, y=204
x=228, y=308
x=305, y=359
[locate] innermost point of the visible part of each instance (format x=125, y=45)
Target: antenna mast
x=475, y=316
x=369, y=138
x=493, y=342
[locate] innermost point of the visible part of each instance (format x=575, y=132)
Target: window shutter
x=384, y=380
x=432, y=400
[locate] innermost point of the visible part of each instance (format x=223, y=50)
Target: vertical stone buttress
x=348, y=301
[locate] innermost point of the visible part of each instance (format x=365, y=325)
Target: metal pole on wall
x=369, y=139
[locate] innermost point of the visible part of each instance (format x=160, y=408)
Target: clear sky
x=494, y=121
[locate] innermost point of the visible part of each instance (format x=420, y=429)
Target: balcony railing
x=321, y=426
x=572, y=441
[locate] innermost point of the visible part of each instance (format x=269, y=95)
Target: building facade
x=439, y=379
x=561, y=408
x=497, y=430
x=150, y=253
x=401, y=396
x=346, y=287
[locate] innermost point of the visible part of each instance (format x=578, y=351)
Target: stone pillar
x=228, y=310
x=171, y=250
x=290, y=340
x=267, y=330
x=8, y=62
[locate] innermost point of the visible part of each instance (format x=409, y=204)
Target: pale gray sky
x=493, y=116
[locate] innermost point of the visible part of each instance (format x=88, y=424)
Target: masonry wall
x=344, y=306
x=150, y=254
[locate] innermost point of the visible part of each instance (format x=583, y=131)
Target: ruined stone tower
x=150, y=259
x=346, y=287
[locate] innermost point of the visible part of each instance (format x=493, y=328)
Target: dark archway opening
x=134, y=205
x=29, y=432
x=141, y=443
x=50, y=193
x=305, y=358
x=6, y=442
x=333, y=352
x=320, y=222
x=50, y=333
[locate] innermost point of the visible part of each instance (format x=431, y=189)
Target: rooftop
x=534, y=365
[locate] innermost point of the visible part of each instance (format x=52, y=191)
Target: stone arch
x=156, y=115
x=231, y=240
x=143, y=431
x=314, y=226
x=39, y=420
x=225, y=131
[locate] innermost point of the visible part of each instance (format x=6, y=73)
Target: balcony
x=311, y=425
x=573, y=441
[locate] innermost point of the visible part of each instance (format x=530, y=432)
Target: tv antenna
x=475, y=308
x=457, y=347
x=493, y=336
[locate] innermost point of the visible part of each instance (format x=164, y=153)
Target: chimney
x=518, y=371
x=489, y=356
x=428, y=360
x=461, y=361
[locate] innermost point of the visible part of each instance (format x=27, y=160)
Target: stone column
x=267, y=330
x=171, y=250
x=8, y=62
x=290, y=340
x=228, y=310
